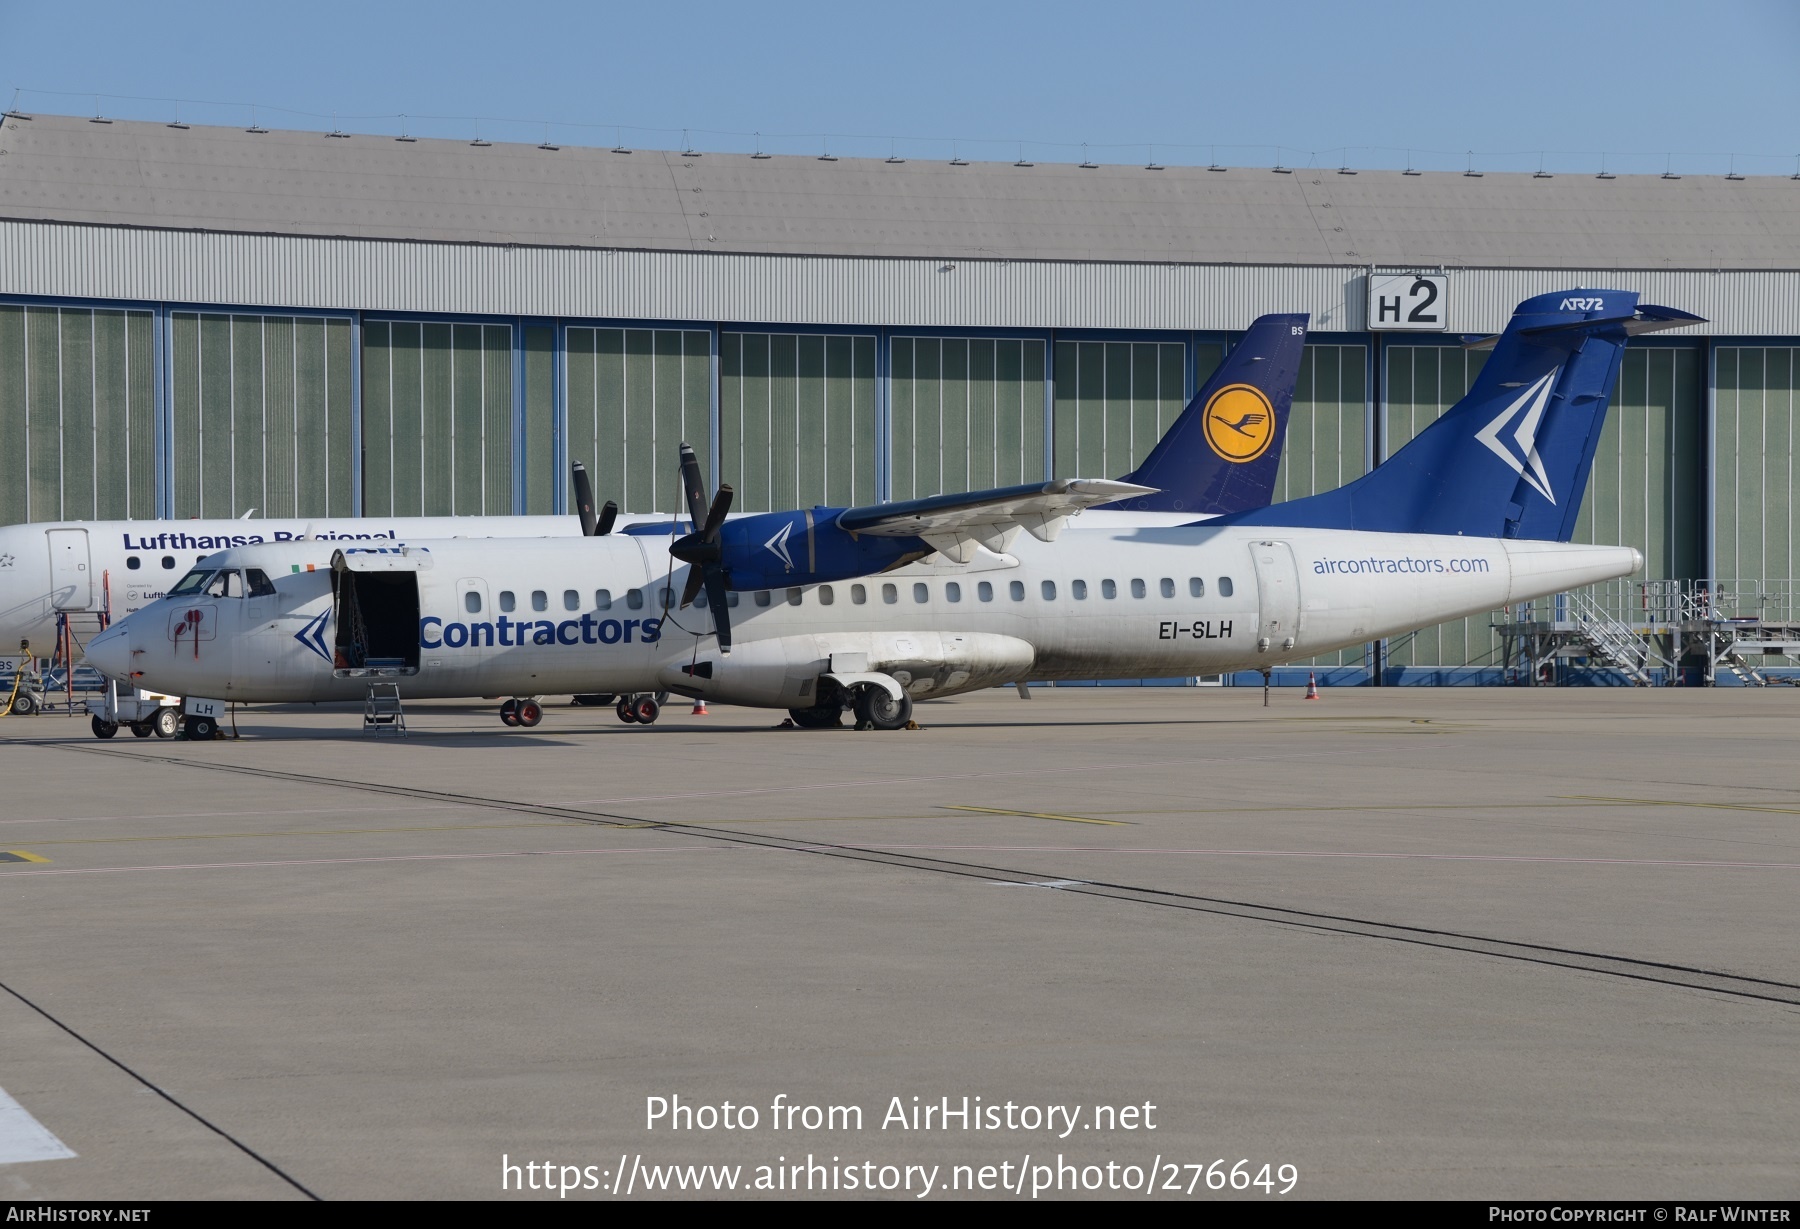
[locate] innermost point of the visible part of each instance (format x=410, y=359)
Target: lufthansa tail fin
x=1221, y=454
x=1511, y=459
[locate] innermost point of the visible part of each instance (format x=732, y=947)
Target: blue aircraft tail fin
x=1221, y=454
x=1511, y=459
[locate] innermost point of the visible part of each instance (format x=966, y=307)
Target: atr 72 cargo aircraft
x=1474, y=513
x=1220, y=455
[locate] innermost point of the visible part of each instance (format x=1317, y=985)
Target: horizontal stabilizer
x=957, y=524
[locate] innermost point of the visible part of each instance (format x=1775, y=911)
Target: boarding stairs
x=382, y=710
x=1610, y=642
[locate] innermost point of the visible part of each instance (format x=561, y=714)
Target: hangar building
x=207, y=320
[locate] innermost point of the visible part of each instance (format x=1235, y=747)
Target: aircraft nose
x=110, y=653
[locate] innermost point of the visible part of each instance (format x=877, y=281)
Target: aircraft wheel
x=825, y=717
x=201, y=729
x=509, y=713
x=141, y=729
x=877, y=710
x=102, y=727
x=530, y=712
x=166, y=722
x=646, y=710
x=23, y=705
x=626, y=711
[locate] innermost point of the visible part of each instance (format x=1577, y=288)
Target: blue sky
x=1645, y=85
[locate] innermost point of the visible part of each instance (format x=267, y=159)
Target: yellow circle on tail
x=1240, y=423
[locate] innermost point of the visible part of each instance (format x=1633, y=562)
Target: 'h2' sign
x=1409, y=302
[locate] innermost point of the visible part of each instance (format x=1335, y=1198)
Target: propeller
x=701, y=549
x=591, y=527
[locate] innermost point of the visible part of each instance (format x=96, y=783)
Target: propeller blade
x=693, y=486
x=717, y=603
x=584, y=498
x=715, y=515
x=696, y=578
x=608, y=515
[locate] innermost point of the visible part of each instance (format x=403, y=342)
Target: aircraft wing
x=956, y=524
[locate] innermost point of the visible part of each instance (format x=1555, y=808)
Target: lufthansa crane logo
x=1240, y=423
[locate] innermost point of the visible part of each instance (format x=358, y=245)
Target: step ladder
x=382, y=711
x=1610, y=642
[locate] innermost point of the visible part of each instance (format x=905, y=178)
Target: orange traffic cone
x=700, y=708
x=1312, y=686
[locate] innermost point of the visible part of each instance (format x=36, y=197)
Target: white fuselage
x=545, y=616
x=118, y=567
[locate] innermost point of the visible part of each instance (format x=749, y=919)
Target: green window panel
x=1327, y=428
x=797, y=419
x=1756, y=528
x=437, y=419
x=77, y=414
x=1114, y=400
x=541, y=482
x=966, y=414
x=260, y=415
x=635, y=396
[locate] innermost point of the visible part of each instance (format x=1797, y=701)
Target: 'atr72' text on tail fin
x=1511, y=459
x=1221, y=454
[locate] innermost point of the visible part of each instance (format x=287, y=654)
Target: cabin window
x=168, y=562
x=571, y=600
x=889, y=594
x=699, y=600
x=1224, y=586
x=1196, y=587
x=668, y=599
x=762, y=597
x=603, y=599
x=1017, y=589
x=540, y=600
x=259, y=583
x=472, y=602
x=858, y=595
x=984, y=591
x=826, y=595
x=508, y=603
x=1078, y=590
x=952, y=592
x=921, y=592
x=794, y=597
x=634, y=599
x=1168, y=586
x=731, y=599
x=133, y=562
x=1138, y=590
x=191, y=582
x=1048, y=589
x=1108, y=590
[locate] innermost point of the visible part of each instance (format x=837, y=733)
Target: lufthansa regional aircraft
x=1220, y=455
x=795, y=610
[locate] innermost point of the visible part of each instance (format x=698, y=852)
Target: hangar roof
x=124, y=173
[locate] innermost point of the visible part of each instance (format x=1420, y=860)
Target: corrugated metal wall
x=797, y=419
x=98, y=262
x=1114, y=400
x=260, y=415
x=966, y=413
x=1756, y=529
x=635, y=395
x=77, y=414
x=437, y=417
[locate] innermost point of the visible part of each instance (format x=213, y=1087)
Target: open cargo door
x=375, y=606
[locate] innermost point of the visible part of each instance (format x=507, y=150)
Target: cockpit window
x=259, y=583
x=227, y=583
x=191, y=582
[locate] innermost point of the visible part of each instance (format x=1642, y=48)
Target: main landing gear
x=527, y=712
x=874, y=708
x=638, y=710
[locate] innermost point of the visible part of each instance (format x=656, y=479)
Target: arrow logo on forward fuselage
x=313, y=636
x=777, y=545
x=1532, y=402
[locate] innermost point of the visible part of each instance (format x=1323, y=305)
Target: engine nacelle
x=785, y=673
